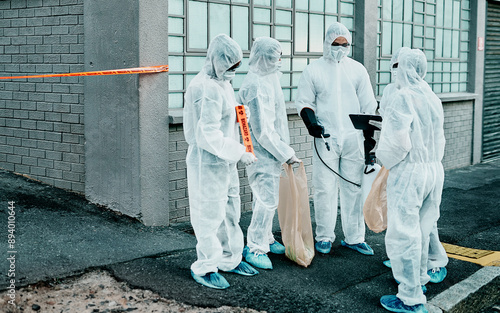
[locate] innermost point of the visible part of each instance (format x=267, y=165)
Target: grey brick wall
x=178, y=201
x=458, y=133
x=458, y=117
x=41, y=119
x=300, y=141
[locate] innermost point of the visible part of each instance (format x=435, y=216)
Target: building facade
x=119, y=139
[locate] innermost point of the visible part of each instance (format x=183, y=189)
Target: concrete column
x=153, y=116
x=476, y=74
x=126, y=116
x=366, y=19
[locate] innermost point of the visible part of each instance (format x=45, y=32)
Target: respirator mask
x=338, y=52
x=228, y=75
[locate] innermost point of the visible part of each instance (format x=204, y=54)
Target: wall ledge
x=452, y=96
x=457, y=96
x=175, y=116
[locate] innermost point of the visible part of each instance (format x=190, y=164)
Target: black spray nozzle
x=369, y=145
x=326, y=143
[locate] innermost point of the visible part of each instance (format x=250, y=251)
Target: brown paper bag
x=294, y=215
x=375, y=208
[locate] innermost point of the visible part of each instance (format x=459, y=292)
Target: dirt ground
x=96, y=291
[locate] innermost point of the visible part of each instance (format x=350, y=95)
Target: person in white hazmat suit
x=437, y=259
x=411, y=146
x=329, y=90
x=210, y=129
x=261, y=92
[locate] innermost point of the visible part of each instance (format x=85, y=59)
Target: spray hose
x=317, y=153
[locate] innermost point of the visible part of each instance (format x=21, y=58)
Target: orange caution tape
x=136, y=70
x=241, y=117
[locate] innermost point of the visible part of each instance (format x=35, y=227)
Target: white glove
x=377, y=124
x=248, y=158
x=247, y=111
x=293, y=160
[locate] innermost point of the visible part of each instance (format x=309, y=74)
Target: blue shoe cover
x=277, y=248
x=394, y=304
x=323, y=246
x=387, y=263
x=362, y=248
x=211, y=280
x=437, y=274
x=257, y=259
x=244, y=269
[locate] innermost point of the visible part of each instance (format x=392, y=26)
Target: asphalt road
x=61, y=234
x=342, y=281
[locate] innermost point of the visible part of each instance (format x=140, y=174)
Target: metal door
x=491, y=114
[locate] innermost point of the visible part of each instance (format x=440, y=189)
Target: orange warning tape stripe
x=135, y=70
x=241, y=118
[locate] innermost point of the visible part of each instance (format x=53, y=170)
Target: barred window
x=438, y=27
x=299, y=25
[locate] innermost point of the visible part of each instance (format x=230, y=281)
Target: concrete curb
x=468, y=295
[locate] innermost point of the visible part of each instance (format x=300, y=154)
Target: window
x=193, y=23
x=312, y=18
x=440, y=28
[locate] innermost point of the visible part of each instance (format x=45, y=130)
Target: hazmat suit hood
x=389, y=89
x=395, y=56
x=395, y=60
x=412, y=68
x=223, y=52
x=264, y=56
x=334, y=31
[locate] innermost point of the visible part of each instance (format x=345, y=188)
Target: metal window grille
x=438, y=27
x=193, y=23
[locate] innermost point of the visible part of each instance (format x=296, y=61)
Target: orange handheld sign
x=135, y=70
x=241, y=118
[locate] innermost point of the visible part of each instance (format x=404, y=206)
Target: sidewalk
x=59, y=234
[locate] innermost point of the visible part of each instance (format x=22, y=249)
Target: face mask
x=394, y=72
x=228, y=75
x=278, y=65
x=338, y=52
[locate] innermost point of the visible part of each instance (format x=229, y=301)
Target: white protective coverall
x=411, y=146
x=210, y=129
x=261, y=92
x=437, y=253
x=333, y=90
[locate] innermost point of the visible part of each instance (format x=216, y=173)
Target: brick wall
x=178, y=196
x=458, y=118
x=178, y=200
x=41, y=120
x=300, y=141
x=458, y=133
